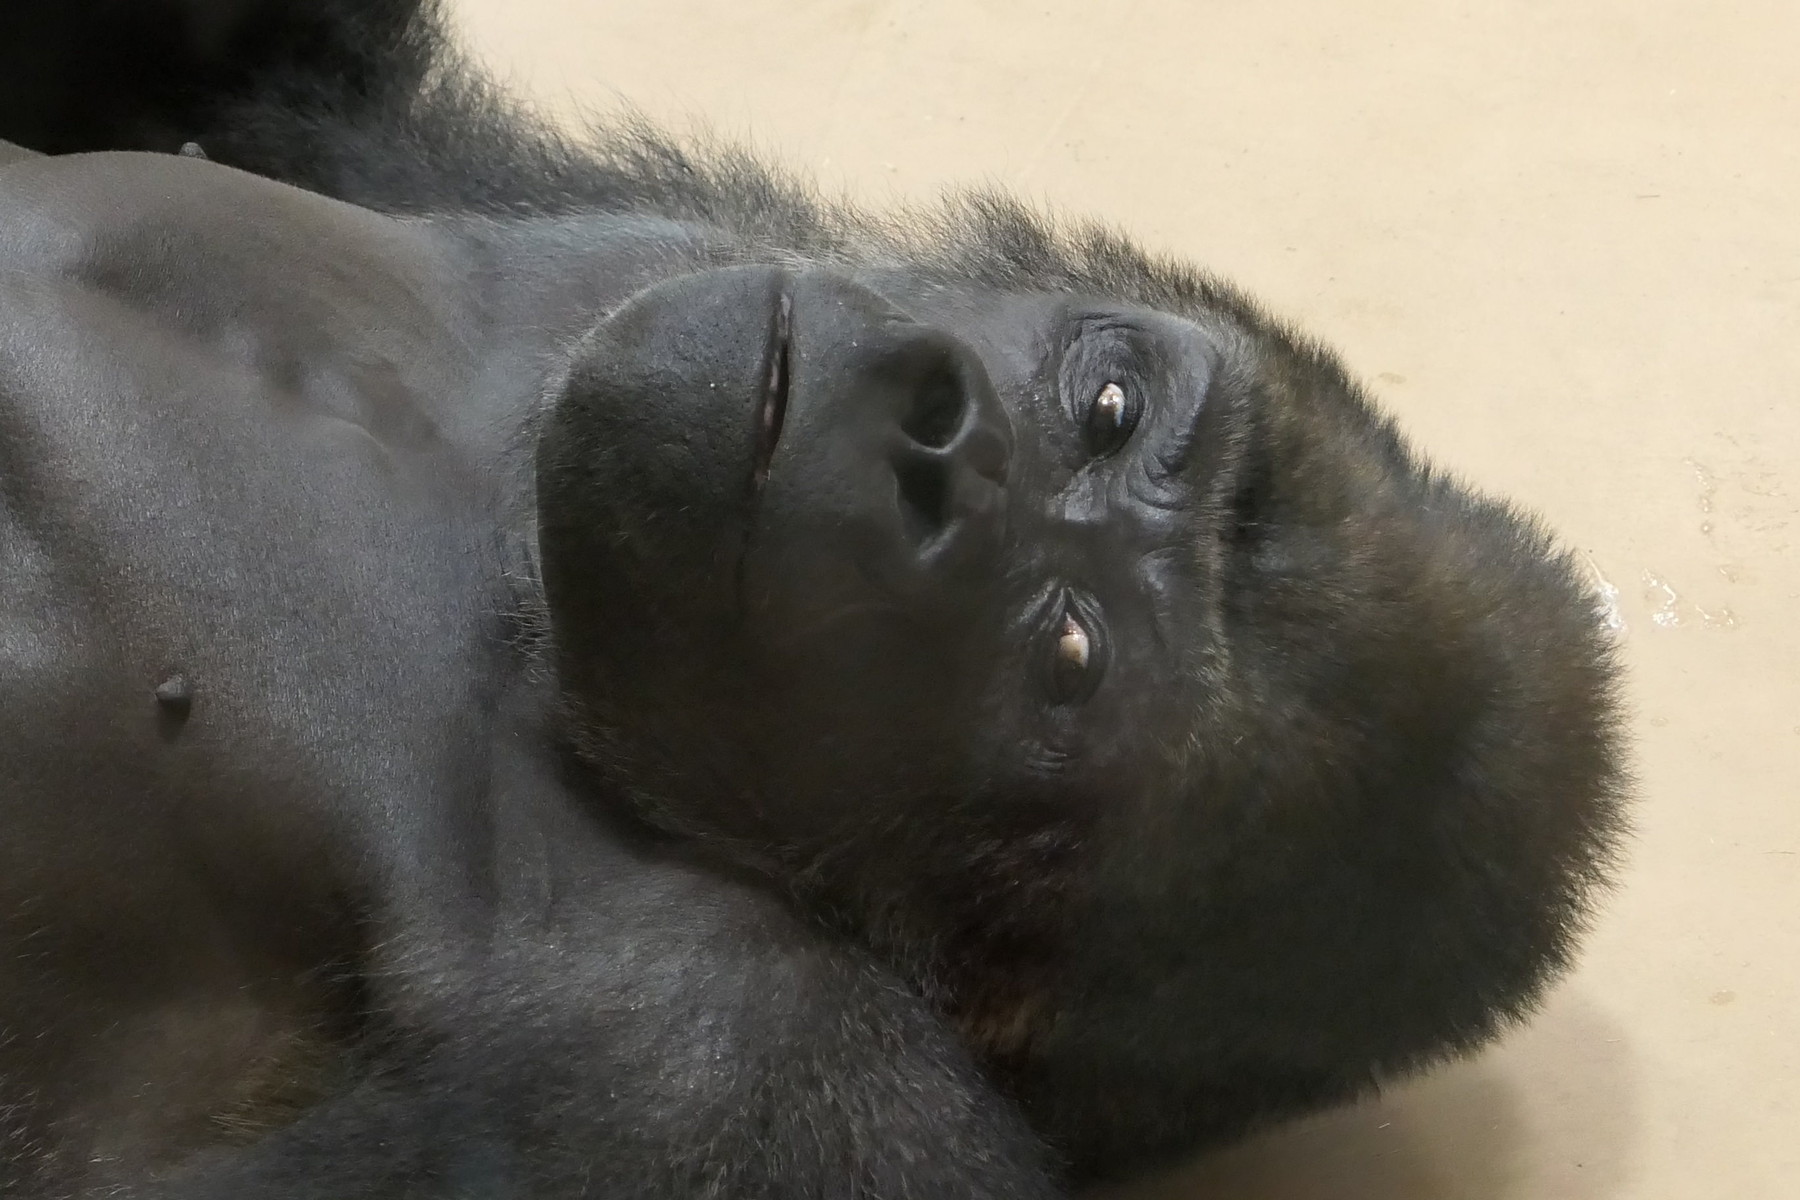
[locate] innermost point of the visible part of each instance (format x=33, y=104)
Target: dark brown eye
x=1111, y=416
x=1071, y=670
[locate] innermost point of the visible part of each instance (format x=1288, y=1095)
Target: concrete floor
x=1563, y=243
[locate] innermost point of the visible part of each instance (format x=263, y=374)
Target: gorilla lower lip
x=775, y=389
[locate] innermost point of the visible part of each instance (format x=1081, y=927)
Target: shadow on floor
x=1457, y=1134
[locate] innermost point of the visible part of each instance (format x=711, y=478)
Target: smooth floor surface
x=1562, y=242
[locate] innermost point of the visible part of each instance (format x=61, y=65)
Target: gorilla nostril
x=937, y=410
x=950, y=460
x=924, y=497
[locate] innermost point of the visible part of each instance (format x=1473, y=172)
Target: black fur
x=550, y=812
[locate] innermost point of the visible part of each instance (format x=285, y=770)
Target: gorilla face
x=849, y=543
x=1085, y=658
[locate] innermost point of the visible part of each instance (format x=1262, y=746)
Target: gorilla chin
x=668, y=687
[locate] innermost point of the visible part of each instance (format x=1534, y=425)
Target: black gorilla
x=627, y=681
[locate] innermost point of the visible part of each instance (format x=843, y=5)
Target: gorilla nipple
x=175, y=696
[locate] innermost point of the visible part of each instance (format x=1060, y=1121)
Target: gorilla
x=536, y=668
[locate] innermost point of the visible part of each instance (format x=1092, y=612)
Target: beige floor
x=1563, y=242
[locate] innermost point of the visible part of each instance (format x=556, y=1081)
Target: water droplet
x=1709, y=487
x=1668, y=603
x=1606, y=595
x=1718, y=618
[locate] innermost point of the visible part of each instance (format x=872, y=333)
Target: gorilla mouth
x=773, y=410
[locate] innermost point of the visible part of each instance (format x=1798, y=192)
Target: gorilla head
x=1083, y=639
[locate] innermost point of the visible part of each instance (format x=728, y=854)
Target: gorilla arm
x=640, y=1028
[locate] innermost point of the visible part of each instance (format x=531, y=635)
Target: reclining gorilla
x=587, y=672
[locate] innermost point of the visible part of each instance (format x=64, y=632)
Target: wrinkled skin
x=579, y=673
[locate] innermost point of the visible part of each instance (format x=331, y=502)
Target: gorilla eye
x=1069, y=672
x=1111, y=417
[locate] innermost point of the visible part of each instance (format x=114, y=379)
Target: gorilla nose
x=949, y=447
x=895, y=442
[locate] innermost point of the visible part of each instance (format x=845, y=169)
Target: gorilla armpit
x=584, y=671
